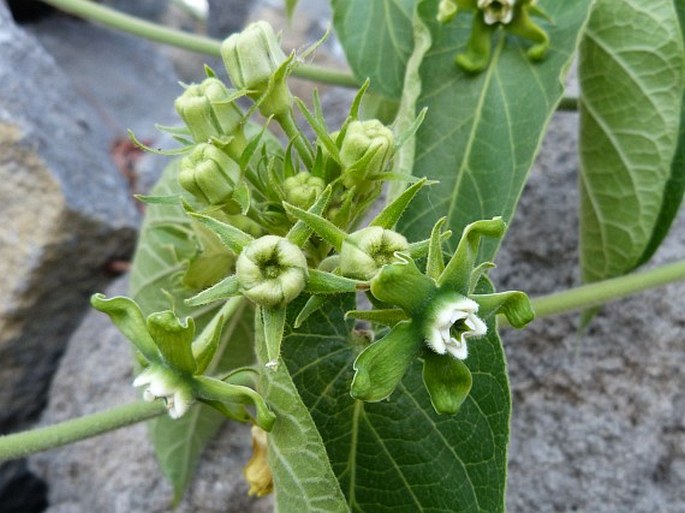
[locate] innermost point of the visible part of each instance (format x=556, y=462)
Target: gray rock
x=66, y=213
x=127, y=81
x=598, y=421
x=227, y=16
x=117, y=472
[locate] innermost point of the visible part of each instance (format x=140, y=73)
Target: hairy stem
x=22, y=444
x=595, y=294
x=193, y=42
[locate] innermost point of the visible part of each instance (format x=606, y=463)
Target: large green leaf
x=631, y=77
x=166, y=243
x=399, y=455
x=302, y=474
x=482, y=132
x=377, y=38
x=673, y=194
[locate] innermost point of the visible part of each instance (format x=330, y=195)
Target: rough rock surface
x=599, y=419
x=118, y=472
x=66, y=213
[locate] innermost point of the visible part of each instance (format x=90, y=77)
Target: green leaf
x=481, y=132
x=398, y=455
x=631, y=77
x=377, y=39
x=167, y=242
x=303, y=478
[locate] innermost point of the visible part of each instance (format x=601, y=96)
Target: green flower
x=435, y=315
x=514, y=16
x=174, y=362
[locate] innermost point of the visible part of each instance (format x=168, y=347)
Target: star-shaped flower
x=435, y=316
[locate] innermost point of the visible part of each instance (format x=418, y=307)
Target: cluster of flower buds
x=514, y=16
x=284, y=218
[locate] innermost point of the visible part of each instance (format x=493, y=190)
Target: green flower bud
x=209, y=174
x=271, y=271
x=209, y=111
x=365, y=251
x=369, y=145
x=302, y=189
x=252, y=57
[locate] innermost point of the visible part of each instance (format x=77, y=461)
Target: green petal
x=211, y=389
x=513, y=304
x=380, y=367
x=403, y=285
x=129, y=320
x=388, y=317
x=447, y=380
x=174, y=340
x=457, y=274
x=435, y=264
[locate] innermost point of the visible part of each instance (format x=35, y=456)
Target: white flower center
x=453, y=323
x=160, y=385
x=497, y=11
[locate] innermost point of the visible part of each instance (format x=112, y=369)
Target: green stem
x=595, y=294
x=297, y=137
x=193, y=42
x=24, y=443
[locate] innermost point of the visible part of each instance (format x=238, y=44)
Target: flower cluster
x=513, y=16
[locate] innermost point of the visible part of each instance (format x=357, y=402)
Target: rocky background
x=599, y=419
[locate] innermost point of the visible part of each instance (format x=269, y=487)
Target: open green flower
x=175, y=360
x=434, y=316
x=514, y=16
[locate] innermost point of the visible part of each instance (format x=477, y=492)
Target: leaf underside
x=631, y=75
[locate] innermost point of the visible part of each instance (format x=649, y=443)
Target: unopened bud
x=252, y=57
x=209, y=174
x=368, y=141
x=208, y=111
x=364, y=252
x=271, y=271
x=302, y=189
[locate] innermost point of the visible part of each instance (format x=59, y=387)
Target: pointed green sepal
x=479, y=272
x=206, y=343
x=225, y=289
x=447, y=380
x=312, y=305
x=301, y=231
x=388, y=316
x=211, y=389
x=273, y=319
x=513, y=304
x=388, y=217
x=403, y=285
x=233, y=238
x=457, y=273
x=380, y=367
x=129, y=320
x=174, y=340
x=435, y=264
x=420, y=248
x=322, y=282
x=322, y=227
